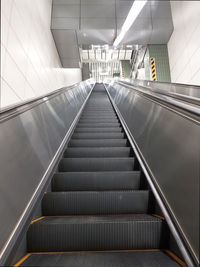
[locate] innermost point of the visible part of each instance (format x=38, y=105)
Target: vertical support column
x=125, y=68
x=85, y=71
x=159, y=53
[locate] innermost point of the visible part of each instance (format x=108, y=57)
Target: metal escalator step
x=98, y=124
x=88, y=181
x=148, y=258
x=99, y=111
x=96, y=164
x=95, y=202
x=97, y=152
x=98, y=135
x=97, y=130
x=96, y=109
x=98, y=143
x=68, y=233
x=99, y=120
x=100, y=116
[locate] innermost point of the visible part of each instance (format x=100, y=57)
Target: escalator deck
x=97, y=213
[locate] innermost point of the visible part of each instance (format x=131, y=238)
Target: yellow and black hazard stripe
x=123, y=73
x=153, y=69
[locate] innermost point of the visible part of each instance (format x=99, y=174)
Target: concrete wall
x=30, y=65
x=184, y=45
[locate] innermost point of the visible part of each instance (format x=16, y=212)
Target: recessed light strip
x=132, y=15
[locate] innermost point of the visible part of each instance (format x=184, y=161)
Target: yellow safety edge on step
x=22, y=260
x=174, y=257
x=38, y=219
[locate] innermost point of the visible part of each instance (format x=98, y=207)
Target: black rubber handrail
x=21, y=107
x=32, y=100
x=172, y=100
x=154, y=87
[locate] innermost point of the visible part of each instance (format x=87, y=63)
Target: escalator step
x=97, y=130
x=89, y=181
x=98, y=135
x=95, y=203
x=97, y=152
x=96, y=164
x=99, y=124
x=145, y=258
x=106, y=120
x=99, y=112
x=100, y=117
x=113, y=232
x=103, y=109
x=105, y=114
x=98, y=143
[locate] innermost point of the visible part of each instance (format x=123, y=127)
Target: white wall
x=30, y=65
x=184, y=45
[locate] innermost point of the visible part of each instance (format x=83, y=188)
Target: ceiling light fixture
x=132, y=15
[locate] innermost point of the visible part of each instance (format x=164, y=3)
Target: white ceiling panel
x=95, y=37
x=97, y=23
x=140, y=37
x=66, y=2
x=70, y=52
x=122, y=9
x=65, y=23
x=65, y=36
x=69, y=11
x=98, y=11
x=91, y=2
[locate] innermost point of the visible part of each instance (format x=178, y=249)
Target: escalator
x=100, y=210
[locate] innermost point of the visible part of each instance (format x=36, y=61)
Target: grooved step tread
x=97, y=152
x=138, y=231
x=107, y=120
x=98, y=130
x=99, y=124
x=98, y=135
x=98, y=117
x=89, y=181
x=96, y=164
x=94, y=202
x=98, y=143
x=145, y=258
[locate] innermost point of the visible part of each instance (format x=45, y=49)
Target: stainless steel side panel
x=171, y=88
x=170, y=144
x=28, y=143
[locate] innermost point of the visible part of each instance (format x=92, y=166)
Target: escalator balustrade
x=99, y=213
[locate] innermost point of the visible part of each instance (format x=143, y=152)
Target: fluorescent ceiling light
x=132, y=15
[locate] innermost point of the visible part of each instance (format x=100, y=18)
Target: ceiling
x=81, y=23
